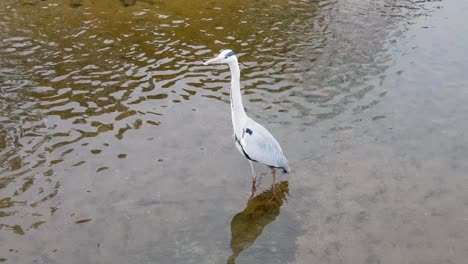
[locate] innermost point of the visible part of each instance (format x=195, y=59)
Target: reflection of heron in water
x=261, y=210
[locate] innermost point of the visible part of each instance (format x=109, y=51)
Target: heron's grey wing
x=261, y=146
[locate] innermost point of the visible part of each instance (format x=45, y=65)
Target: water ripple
x=101, y=71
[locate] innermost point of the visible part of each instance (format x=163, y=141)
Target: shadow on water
x=248, y=225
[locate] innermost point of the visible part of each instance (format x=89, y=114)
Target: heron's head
x=226, y=56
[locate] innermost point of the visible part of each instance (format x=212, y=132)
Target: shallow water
x=116, y=142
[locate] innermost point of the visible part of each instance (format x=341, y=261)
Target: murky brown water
x=116, y=142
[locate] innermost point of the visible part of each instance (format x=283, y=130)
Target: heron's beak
x=213, y=61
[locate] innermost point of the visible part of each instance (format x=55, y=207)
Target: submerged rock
x=132, y=2
x=152, y=2
x=76, y=3
x=28, y=2
x=128, y=2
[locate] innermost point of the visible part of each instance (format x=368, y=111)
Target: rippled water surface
x=116, y=142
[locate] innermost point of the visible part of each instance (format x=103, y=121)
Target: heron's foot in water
x=274, y=196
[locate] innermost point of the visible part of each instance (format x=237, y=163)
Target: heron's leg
x=254, y=180
x=273, y=174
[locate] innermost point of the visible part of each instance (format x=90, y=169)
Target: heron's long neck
x=237, y=108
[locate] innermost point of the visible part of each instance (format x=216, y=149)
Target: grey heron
x=252, y=140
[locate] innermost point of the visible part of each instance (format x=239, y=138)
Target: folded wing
x=261, y=146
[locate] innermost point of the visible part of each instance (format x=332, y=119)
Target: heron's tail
x=286, y=169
